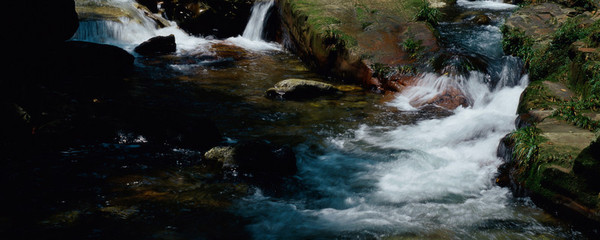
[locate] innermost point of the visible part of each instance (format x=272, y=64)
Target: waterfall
x=251, y=39
x=256, y=24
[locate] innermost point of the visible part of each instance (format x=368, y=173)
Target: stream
x=367, y=168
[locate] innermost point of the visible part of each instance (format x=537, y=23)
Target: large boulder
x=346, y=39
x=158, y=45
x=86, y=58
x=45, y=22
x=296, y=89
x=37, y=25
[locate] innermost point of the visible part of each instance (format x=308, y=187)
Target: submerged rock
x=256, y=157
x=221, y=154
x=157, y=46
x=295, y=89
x=482, y=19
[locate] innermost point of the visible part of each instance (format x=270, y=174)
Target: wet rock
x=296, y=89
x=482, y=19
x=90, y=11
x=456, y=63
x=450, y=99
x=256, y=157
x=157, y=46
x=221, y=154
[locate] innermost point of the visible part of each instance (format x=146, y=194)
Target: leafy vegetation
x=517, y=43
x=546, y=62
x=380, y=70
x=412, y=46
x=526, y=144
x=338, y=40
x=428, y=14
x=364, y=15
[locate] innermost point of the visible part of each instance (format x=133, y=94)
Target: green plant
x=428, y=14
x=572, y=112
x=364, y=15
x=380, y=70
x=407, y=69
x=338, y=40
x=517, y=43
x=412, y=46
x=569, y=32
x=526, y=144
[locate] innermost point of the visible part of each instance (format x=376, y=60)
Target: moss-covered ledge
x=554, y=155
x=354, y=40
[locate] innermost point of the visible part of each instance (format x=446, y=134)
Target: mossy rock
x=587, y=165
x=342, y=39
x=298, y=89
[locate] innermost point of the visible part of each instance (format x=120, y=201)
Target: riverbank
x=555, y=152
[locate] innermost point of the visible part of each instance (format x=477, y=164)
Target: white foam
x=491, y=4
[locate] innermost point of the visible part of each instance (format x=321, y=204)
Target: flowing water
x=368, y=169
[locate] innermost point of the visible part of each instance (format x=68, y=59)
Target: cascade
x=131, y=26
x=256, y=24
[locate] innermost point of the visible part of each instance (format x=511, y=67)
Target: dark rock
x=587, y=165
x=175, y=129
x=43, y=22
x=86, y=58
x=482, y=19
x=256, y=157
x=157, y=46
x=456, y=63
x=296, y=89
x=220, y=18
x=152, y=5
